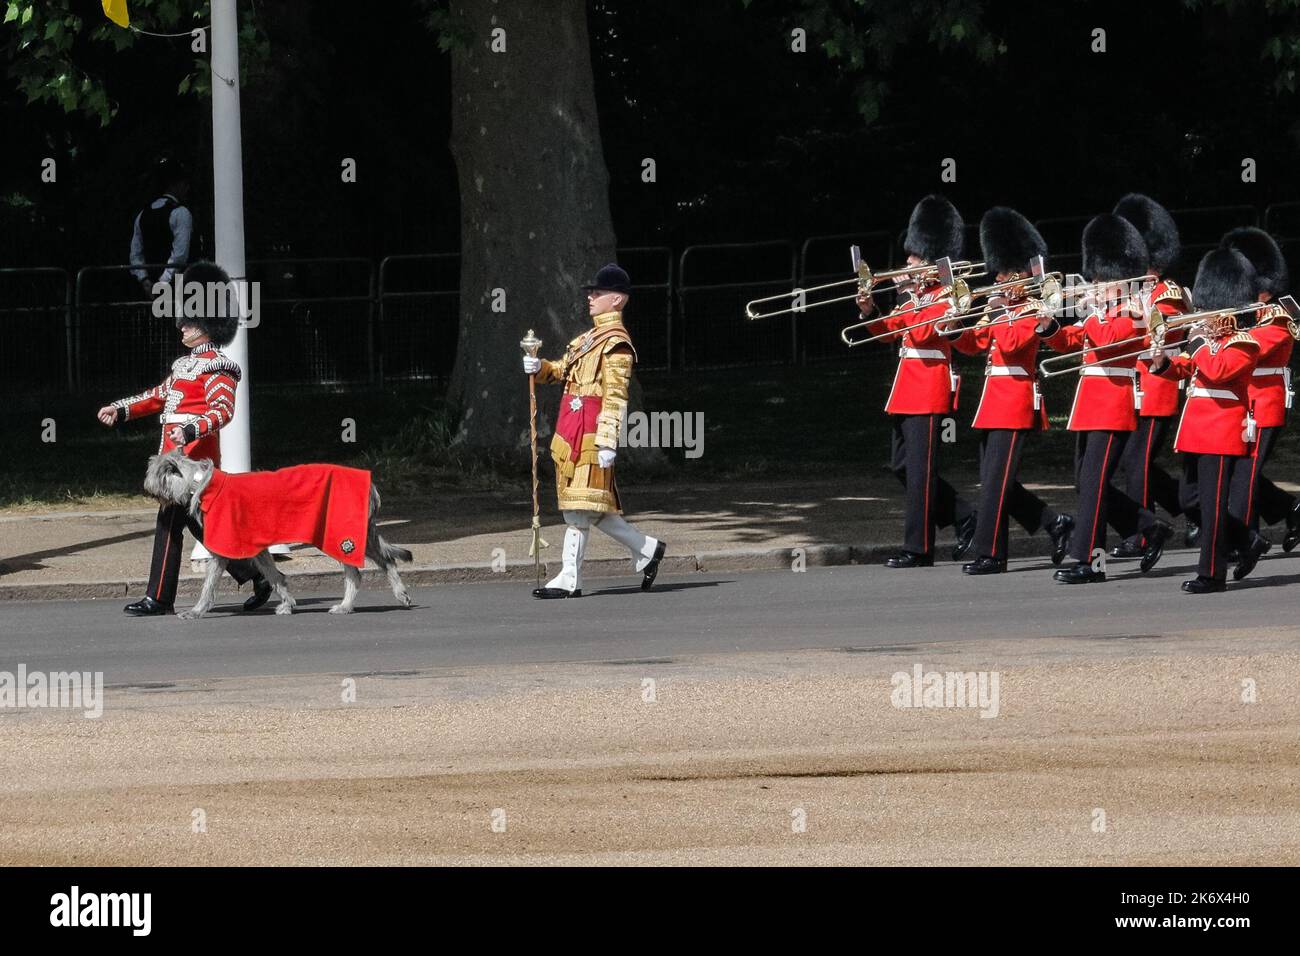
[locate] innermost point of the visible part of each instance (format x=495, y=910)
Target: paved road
x=477, y=624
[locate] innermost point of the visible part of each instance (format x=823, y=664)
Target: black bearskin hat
x=1113, y=249
x=1225, y=278
x=1009, y=241
x=1159, y=231
x=1263, y=253
x=935, y=230
x=222, y=326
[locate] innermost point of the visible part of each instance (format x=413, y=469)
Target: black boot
x=1060, y=531
x=147, y=607
x=1191, y=534
x=1128, y=548
x=965, y=535
x=548, y=594
x=1081, y=573
x=1292, y=529
x=910, y=559
x=1202, y=585
x=1258, y=547
x=984, y=565
x=651, y=570
x=1155, y=546
x=261, y=594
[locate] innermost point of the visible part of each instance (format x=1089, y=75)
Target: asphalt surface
x=489, y=623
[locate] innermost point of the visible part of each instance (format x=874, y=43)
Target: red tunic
x=924, y=383
x=1215, y=413
x=1010, y=381
x=1271, y=380
x=324, y=505
x=1104, y=399
x=1160, y=394
x=198, y=395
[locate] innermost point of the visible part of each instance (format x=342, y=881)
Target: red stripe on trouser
x=1002, y=498
x=1146, y=465
x=1249, y=516
x=1101, y=493
x=166, y=551
x=929, y=467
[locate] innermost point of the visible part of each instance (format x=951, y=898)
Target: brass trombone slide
x=865, y=280
x=1159, y=326
x=1041, y=289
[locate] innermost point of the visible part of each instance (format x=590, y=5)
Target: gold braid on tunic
x=597, y=363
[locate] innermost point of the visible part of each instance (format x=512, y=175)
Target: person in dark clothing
x=160, y=241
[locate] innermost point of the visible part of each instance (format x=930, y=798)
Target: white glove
x=532, y=365
x=605, y=457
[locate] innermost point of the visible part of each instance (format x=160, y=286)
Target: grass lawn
x=780, y=422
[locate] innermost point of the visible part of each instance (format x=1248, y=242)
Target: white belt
x=1259, y=372
x=1196, y=391
x=1109, y=372
x=922, y=354
x=179, y=419
x=1015, y=370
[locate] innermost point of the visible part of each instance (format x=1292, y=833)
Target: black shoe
x=984, y=565
x=910, y=559
x=1155, y=546
x=1081, y=573
x=1292, y=529
x=965, y=535
x=261, y=594
x=1233, y=556
x=1200, y=585
x=147, y=607
x=1192, y=534
x=1259, y=546
x=547, y=594
x=651, y=570
x=1060, y=531
x=1128, y=548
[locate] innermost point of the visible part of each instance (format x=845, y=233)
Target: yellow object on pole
x=115, y=10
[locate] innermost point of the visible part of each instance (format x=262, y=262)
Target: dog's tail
x=391, y=553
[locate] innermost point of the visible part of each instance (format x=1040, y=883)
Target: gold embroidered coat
x=597, y=363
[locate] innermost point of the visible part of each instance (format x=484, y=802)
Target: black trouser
x=1096, y=456
x=168, y=538
x=1002, y=496
x=1145, y=481
x=1253, y=495
x=928, y=500
x=1221, y=531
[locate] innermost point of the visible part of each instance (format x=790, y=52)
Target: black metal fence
x=352, y=321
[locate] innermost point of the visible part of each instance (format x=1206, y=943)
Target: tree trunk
x=534, y=197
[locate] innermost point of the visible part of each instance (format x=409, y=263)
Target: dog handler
x=193, y=403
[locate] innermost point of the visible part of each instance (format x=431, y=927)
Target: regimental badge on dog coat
x=324, y=505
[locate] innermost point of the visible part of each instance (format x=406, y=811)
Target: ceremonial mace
x=531, y=344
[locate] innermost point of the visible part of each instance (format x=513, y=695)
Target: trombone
x=1040, y=289
x=1159, y=328
x=957, y=295
x=864, y=279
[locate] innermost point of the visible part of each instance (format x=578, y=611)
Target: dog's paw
x=404, y=599
x=190, y=615
x=284, y=607
x=340, y=609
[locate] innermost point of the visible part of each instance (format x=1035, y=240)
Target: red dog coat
x=324, y=505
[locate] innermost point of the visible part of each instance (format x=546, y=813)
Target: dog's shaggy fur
x=176, y=480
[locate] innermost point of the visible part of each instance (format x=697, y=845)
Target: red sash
x=573, y=423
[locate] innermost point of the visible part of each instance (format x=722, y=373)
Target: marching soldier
x=595, y=371
x=1144, y=480
x=194, y=402
x=1253, y=494
x=924, y=389
x=1216, y=430
x=1011, y=405
x=1104, y=410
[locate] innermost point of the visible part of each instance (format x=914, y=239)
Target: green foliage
x=451, y=31
x=51, y=50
